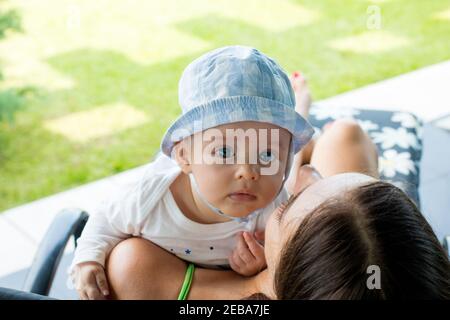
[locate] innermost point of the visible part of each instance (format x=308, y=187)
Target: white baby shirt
x=147, y=209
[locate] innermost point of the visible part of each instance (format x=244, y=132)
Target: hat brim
x=236, y=109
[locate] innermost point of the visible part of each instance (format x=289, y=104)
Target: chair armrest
x=67, y=223
x=447, y=245
x=12, y=294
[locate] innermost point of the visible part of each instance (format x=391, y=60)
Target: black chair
x=67, y=223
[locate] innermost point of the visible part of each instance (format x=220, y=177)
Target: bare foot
x=302, y=94
x=327, y=125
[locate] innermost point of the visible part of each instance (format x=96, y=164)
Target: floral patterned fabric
x=397, y=135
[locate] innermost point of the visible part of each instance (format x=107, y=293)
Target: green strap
x=187, y=282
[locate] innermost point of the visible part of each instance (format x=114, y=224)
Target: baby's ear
x=182, y=157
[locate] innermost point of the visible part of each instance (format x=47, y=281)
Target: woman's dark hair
x=375, y=224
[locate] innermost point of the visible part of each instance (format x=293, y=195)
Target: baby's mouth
x=242, y=196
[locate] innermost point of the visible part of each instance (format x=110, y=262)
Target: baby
x=207, y=196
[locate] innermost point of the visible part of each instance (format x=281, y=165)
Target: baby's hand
x=248, y=257
x=90, y=281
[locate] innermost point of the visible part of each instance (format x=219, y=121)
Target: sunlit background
x=98, y=79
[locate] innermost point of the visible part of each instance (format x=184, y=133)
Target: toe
x=297, y=80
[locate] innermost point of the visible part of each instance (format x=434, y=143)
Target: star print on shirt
x=187, y=251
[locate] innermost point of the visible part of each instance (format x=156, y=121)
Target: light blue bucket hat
x=233, y=84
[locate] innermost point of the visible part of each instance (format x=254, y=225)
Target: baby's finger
x=246, y=256
x=238, y=259
x=237, y=263
x=233, y=264
x=260, y=235
x=243, y=251
x=94, y=294
x=82, y=294
x=255, y=248
x=101, y=282
x=81, y=290
x=240, y=241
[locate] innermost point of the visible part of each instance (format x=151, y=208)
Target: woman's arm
x=139, y=269
x=221, y=285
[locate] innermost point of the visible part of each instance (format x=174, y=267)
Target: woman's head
x=344, y=231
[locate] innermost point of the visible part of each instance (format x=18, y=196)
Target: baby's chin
x=242, y=210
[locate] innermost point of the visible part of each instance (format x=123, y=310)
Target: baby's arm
x=112, y=222
x=87, y=271
x=248, y=257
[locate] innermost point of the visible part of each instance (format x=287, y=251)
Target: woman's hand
x=90, y=281
x=248, y=257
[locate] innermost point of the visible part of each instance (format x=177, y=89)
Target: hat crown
x=233, y=71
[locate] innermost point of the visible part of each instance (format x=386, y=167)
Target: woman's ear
x=182, y=157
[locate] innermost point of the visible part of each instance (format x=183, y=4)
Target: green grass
x=35, y=162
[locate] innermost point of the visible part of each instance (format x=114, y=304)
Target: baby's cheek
x=270, y=188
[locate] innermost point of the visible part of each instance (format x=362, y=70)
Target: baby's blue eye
x=266, y=156
x=225, y=152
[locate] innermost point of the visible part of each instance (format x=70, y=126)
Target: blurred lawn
x=86, y=56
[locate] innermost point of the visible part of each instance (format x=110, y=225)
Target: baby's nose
x=248, y=172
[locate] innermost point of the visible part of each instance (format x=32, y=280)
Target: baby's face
x=239, y=167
